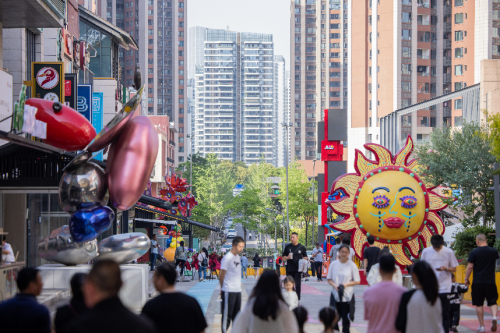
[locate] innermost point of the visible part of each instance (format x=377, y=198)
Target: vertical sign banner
x=84, y=101
x=48, y=81
x=70, y=92
x=97, y=115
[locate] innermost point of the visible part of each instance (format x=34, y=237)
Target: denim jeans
x=153, y=260
x=243, y=271
x=204, y=270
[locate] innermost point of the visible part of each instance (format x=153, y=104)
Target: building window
x=181, y=101
x=406, y=69
x=406, y=86
x=458, y=120
x=181, y=53
x=150, y=80
x=458, y=104
x=151, y=41
x=181, y=111
x=150, y=32
x=496, y=50
x=459, y=35
x=496, y=13
x=458, y=86
x=459, y=18
x=151, y=110
x=459, y=3
x=181, y=82
x=459, y=70
x=459, y=52
x=181, y=158
x=406, y=34
x=406, y=17
x=406, y=52
x=181, y=149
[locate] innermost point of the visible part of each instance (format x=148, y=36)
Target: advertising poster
x=70, y=90
x=6, y=105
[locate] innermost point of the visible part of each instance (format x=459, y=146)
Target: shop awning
x=32, y=14
x=118, y=35
x=179, y=218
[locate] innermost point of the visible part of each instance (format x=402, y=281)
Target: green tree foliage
x=461, y=159
x=302, y=208
x=247, y=208
x=465, y=241
x=213, y=182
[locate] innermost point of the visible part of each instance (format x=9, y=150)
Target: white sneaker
x=480, y=329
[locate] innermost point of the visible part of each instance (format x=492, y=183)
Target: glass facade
x=101, y=64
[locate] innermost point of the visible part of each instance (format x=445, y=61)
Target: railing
x=447, y=44
x=447, y=27
x=447, y=78
x=446, y=10
x=446, y=61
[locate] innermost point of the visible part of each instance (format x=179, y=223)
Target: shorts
x=482, y=291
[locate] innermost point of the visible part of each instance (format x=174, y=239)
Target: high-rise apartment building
x=196, y=49
x=159, y=27
x=405, y=52
x=234, y=113
x=319, y=50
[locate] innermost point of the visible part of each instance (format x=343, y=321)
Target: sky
x=261, y=16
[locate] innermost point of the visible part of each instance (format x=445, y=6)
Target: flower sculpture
x=175, y=183
x=386, y=198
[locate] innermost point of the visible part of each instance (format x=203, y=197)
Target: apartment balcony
x=446, y=10
x=447, y=27
x=447, y=61
x=446, y=111
x=446, y=78
x=447, y=44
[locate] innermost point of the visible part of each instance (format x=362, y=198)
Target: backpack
x=204, y=262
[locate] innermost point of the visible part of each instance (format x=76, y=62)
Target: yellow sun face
x=387, y=200
x=393, y=204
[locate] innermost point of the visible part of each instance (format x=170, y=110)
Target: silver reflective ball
x=85, y=184
x=124, y=248
x=59, y=247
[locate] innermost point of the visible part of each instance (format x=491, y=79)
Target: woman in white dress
x=374, y=276
x=420, y=309
x=266, y=311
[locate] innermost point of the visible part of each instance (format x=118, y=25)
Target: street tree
x=461, y=159
x=246, y=207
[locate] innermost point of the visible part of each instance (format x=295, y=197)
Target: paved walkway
x=315, y=296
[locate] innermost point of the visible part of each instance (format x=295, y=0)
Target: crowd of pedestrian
x=432, y=306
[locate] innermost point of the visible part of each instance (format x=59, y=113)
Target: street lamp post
x=287, y=126
x=191, y=164
x=314, y=176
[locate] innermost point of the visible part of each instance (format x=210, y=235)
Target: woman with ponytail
x=420, y=309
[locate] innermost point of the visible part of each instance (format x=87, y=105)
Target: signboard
x=48, y=80
x=84, y=101
x=97, y=115
x=70, y=92
x=331, y=150
x=6, y=106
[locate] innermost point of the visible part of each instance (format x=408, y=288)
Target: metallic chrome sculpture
x=83, y=186
x=60, y=247
x=124, y=248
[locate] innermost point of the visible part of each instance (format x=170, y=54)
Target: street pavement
x=315, y=296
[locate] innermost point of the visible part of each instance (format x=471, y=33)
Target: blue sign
x=83, y=102
x=97, y=115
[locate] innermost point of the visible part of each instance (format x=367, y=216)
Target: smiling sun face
x=387, y=200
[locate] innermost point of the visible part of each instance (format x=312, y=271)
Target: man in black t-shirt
x=292, y=254
x=370, y=255
x=185, y=309
x=482, y=261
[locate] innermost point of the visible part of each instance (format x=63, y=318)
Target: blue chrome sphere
x=87, y=223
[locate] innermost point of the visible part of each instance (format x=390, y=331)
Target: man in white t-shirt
x=444, y=263
x=154, y=251
x=7, y=252
x=230, y=282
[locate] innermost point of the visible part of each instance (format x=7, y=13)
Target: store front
x=30, y=210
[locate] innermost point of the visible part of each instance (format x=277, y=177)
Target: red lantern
x=178, y=234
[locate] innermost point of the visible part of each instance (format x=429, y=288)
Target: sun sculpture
x=386, y=198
